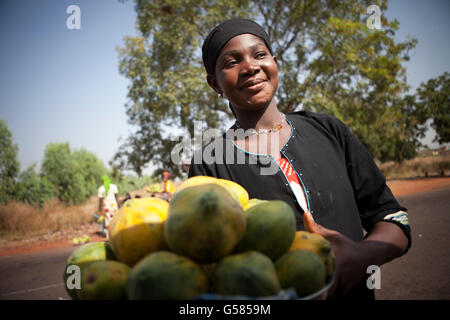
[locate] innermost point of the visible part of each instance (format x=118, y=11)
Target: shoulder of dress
x=325, y=120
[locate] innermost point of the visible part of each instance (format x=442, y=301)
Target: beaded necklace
x=264, y=131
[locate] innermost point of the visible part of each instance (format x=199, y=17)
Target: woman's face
x=246, y=73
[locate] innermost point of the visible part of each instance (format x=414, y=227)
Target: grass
x=428, y=166
x=19, y=221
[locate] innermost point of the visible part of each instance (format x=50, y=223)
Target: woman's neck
x=265, y=118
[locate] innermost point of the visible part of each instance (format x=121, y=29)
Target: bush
x=131, y=183
x=91, y=168
x=61, y=170
x=31, y=189
x=75, y=175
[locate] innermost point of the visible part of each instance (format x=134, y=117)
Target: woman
x=311, y=161
x=169, y=188
x=108, y=202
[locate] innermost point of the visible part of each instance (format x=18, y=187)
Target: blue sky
x=59, y=85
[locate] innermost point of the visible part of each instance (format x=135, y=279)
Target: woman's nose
x=250, y=67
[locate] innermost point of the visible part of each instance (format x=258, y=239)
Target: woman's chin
x=254, y=102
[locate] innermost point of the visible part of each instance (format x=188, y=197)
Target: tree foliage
x=91, y=168
x=63, y=172
x=75, y=175
x=9, y=164
x=33, y=189
x=434, y=99
x=329, y=61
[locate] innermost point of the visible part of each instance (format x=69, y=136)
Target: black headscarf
x=221, y=34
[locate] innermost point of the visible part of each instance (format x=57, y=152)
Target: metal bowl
x=322, y=293
x=285, y=294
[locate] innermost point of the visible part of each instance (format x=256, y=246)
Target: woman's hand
x=385, y=242
x=350, y=262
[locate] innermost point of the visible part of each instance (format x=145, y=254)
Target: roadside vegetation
x=429, y=165
x=20, y=221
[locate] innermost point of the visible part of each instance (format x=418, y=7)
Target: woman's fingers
x=308, y=222
x=313, y=227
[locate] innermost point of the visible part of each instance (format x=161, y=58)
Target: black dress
x=345, y=191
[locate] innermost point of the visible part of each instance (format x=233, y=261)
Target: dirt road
x=420, y=274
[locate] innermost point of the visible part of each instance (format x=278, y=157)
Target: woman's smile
x=253, y=85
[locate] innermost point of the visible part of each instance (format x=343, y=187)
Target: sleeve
x=114, y=188
x=101, y=192
x=374, y=198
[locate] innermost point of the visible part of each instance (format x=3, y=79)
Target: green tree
x=92, y=169
x=434, y=98
x=329, y=61
x=9, y=164
x=62, y=170
x=33, y=189
x=76, y=174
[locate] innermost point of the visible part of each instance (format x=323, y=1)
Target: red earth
x=400, y=188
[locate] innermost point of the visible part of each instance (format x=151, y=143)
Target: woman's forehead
x=221, y=34
x=240, y=42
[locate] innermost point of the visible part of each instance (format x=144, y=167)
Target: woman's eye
x=230, y=63
x=261, y=55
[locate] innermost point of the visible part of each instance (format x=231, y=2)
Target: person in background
x=108, y=202
x=185, y=165
x=169, y=188
x=127, y=197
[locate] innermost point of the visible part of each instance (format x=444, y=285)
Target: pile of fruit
x=210, y=239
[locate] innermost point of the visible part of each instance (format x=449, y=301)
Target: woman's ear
x=212, y=81
x=275, y=58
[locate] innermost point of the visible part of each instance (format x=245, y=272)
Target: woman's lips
x=254, y=85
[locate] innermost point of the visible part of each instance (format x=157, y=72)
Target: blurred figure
x=169, y=189
x=108, y=202
x=127, y=197
x=185, y=165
